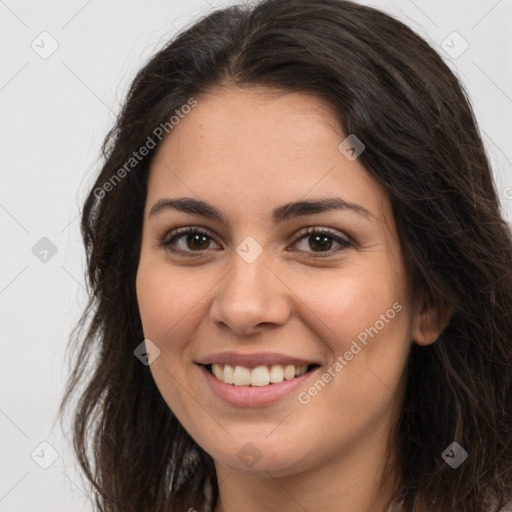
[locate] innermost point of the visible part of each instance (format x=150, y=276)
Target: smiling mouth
x=259, y=376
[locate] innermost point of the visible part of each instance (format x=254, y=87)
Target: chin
x=261, y=459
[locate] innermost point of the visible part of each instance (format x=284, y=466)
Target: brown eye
x=321, y=240
x=188, y=241
x=197, y=241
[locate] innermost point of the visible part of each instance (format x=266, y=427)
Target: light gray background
x=54, y=115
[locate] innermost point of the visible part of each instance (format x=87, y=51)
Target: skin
x=248, y=151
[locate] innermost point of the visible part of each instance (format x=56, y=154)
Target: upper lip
x=252, y=360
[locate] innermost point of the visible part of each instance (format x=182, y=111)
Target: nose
x=250, y=298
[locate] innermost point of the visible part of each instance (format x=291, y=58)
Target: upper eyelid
x=310, y=230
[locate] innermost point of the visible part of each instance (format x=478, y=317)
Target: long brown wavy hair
x=388, y=86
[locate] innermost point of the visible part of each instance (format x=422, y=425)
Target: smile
x=259, y=376
x=258, y=386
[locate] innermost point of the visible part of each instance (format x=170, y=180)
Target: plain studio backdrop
x=66, y=66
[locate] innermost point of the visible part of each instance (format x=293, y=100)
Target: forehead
x=263, y=146
x=246, y=120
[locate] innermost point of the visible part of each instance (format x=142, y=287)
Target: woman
x=300, y=278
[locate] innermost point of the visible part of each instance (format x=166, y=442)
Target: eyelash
x=304, y=233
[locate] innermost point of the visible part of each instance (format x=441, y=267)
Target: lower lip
x=255, y=396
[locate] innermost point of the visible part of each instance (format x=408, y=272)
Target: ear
x=428, y=324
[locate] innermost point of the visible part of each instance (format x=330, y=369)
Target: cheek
x=348, y=303
x=360, y=315
x=168, y=301
x=170, y=310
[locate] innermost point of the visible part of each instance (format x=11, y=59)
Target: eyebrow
x=282, y=213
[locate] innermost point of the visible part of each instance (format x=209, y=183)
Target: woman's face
x=255, y=288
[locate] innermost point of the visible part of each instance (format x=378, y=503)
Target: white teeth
x=259, y=376
x=228, y=374
x=242, y=376
x=276, y=374
x=218, y=371
x=289, y=372
x=303, y=369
